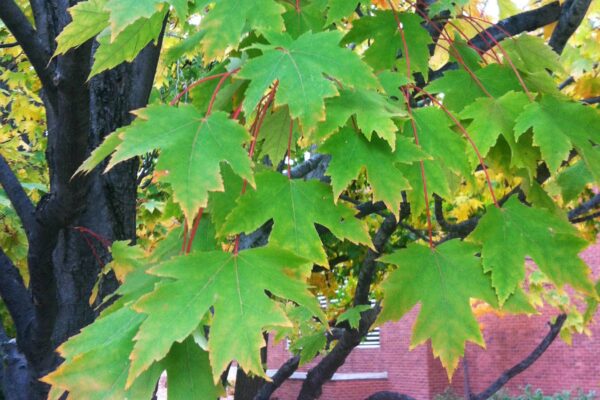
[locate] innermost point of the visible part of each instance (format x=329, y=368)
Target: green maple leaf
x=443, y=280
x=386, y=44
x=127, y=45
x=493, y=117
x=311, y=18
x=125, y=12
x=230, y=19
x=374, y=113
x=353, y=315
x=295, y=206
x=556, y=135
x=573, y=180
x=234, y=285
x=192, y=148
x=189, y=372
x=309, y=346
x=509, y=234
x=446, y=5
x=338, y=9
x=89, y=19
x=351, y=153
x=220, y=204
x=96, y=360
x=299, y=66
x=447, y=149
x=276, y=131
x=531, y=53
x=460, y=89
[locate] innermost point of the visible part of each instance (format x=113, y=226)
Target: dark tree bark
x=63, y=268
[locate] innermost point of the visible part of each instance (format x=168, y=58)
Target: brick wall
x=417, y=373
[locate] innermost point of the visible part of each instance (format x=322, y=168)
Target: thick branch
x=524, y=22
x=17, y=196
x=17, y=299
x=324, y=370
x=28, y=38
x=282, y=374
x=570, y=19
x=526, y=363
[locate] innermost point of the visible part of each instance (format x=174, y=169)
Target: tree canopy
x=384, y=154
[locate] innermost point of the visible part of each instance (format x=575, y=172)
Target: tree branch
x=389, y=396
x=524, y=22
x=28, y=38
x=584, y=207
x=17, y=196
x=526, y=363
x=17, y=299
x=585, y=218
x=571, y=16
x=591, y=100
x=324, y=370
x=282, y=374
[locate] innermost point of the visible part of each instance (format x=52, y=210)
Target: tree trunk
x=71, y=226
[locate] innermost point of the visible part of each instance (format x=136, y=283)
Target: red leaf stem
x=185, y=235
x=508, y=59
x=422, y=166
x=193, y=85
x=217, y=89
x=260, y=117
x=412, y=122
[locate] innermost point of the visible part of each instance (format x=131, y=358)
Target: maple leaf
x=310, y=18
x=276, y=132
x=299, y=66
x=235, y=286
x=492, y=117
x=192, y=148
x=96, y=360
x=338, y=9
x=446, y=5
x=230, y=19
x=433, y=128
x=531, y=53
x=443, y=280
x=353, y=315
x=374, y=113
x=89, y=19
x=127, y=45
x=125, y=12
x=460, y=89
x=509, y=234
x=387, y=43
x=557, y=135
x=189, y=372
x=573, y=180
x=292, y=206
x=351, y=153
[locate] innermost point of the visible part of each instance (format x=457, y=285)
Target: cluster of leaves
x=276, y=80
